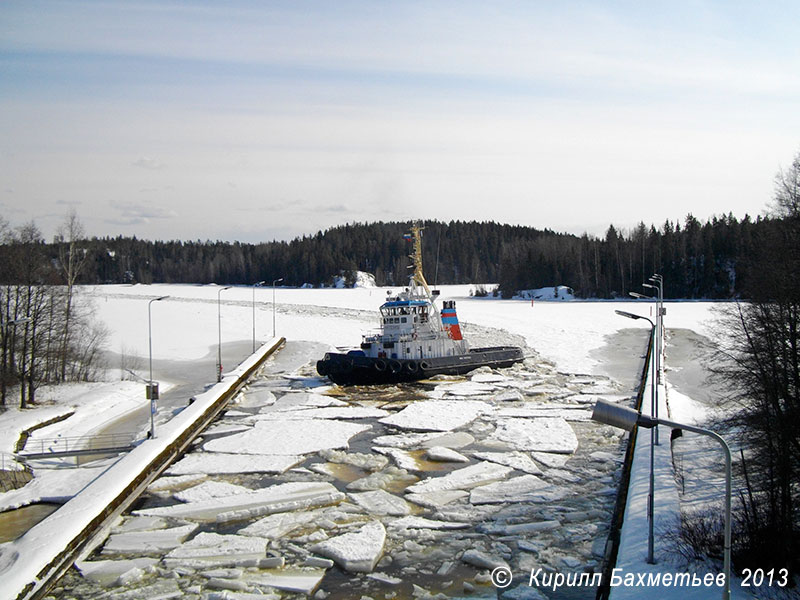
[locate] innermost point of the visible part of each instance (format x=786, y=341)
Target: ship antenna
x=436, y=271
x=416, y=257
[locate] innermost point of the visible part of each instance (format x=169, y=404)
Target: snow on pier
x=29, y=564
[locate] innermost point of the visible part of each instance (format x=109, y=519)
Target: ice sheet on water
x=442, y=454
x=224, y=429
x=466, y=388
x=402, y=458
x=414, y=522
x=147, y=542
x=526, y=488
x=488, y=378
x=273, y=499
x=549, y=434
x=289, y=437
x=290, y=580
x=381, y=502
x=381, y=480
x=566, y=412
x=328, y=412
x=106, y=572
x=516, y=460
x=255, y=397
x=456, y=439
x=292, y=401
x=140, y=524
x=551, y=460
x=204, y=463
x=209, y=490
x=368, y=462
x=180, y=482
x=358, y=551
x=278, y=525
x=463, y=479
x=512, y=395
x=438, y=415
x=436, y=500
x=207, y=549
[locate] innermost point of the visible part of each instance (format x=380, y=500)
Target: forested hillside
x=697, y=259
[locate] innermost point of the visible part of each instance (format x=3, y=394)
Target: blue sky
x=258, y=121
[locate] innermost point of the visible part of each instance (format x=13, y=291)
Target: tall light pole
x=219, y=333
x=8, y=324
x=152, y=389
x=627, y=418
x=255, y=285
x=659, y=287
x=653, y=437
x=273, y=304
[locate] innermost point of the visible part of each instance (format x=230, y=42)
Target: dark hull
x=354, y=369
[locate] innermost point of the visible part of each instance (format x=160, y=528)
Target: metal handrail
x=84, y=442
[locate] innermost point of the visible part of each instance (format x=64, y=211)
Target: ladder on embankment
x=30, y=565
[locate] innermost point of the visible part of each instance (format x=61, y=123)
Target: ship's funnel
x=450, y=319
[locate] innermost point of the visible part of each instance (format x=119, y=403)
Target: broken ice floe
x=465, y=388
x=213, y=549
x=456, y=439
x=387, y=478
x=289, y=437
x=359, y=551
x=413, y=522
x=566, y=412
x=541, y=435
x=147, y=542
x=327, y=412
x=488, y=378
x=381, y=502
x=107, y=572
x=278, y=525
x=209, y=490
x=442, y=415
x=367, y=462
x=463, y=479
x=218, y=462
x=276, y=498
x=254, y=397
x=442, y=454
x=436, y=500
x=526, y=488
x=516, y=460
x=290, y=580
x=169, y=484
x=302, y=400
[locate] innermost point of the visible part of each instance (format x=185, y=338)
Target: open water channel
x=542, y=496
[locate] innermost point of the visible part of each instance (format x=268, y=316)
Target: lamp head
x=620, y=416
x=623, y=313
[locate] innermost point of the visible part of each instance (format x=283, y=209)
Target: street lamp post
x=12, y=323
x=255, y=285
x=653, y=439
x=219, y=333
x=627, y=418
x=273, y=304
x=659, y=287
x=152, y=390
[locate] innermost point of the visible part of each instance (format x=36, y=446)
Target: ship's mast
x=416, y=258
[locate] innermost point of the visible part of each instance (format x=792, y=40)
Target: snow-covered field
x=429, y=485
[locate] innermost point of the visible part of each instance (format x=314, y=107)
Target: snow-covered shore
x=569, y=374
